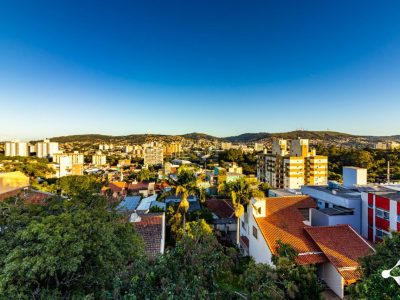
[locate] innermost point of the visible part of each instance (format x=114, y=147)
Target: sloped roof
x=343, y=247
x=129, y=203
x=284, y=222
x=221, y=207
x=150, y=227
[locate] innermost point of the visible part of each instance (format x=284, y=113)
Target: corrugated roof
x=129, y=203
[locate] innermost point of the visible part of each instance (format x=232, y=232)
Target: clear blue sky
x=219, y=67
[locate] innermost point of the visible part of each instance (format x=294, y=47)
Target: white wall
x=364, y=214
x=393, y=215
x=333, y=279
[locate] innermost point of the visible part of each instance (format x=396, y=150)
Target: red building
x=382, y=211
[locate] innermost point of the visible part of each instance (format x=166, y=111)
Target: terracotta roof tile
x=343, y=247
x=221, y=207
x=284, y=222
x=150, y=228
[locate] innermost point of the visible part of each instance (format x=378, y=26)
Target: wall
x=318, y=218
x=333, y=279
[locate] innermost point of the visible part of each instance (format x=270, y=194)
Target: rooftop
x=350, y=194
x=150, y=227
x=343, y=247
x=285, y=222
x=222, y=208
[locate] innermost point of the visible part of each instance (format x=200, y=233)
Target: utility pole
x=388, y=172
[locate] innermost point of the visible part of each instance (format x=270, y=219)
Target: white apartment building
x=153, y=156
x=16, y=148
x=46, y=148
x=76, y=157
x=99, y=159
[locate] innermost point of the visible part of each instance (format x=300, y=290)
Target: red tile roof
x=29, y=196
x=284, y=222
x=150, y=227
x=343, y=247
x=221, y=207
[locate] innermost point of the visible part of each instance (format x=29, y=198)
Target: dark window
x=255, y=232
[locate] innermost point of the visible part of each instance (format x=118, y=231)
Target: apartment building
x=16, y=148
x=46, y=148
x=292, y=165
x=386, y=145
x=172, y=148
x=381, y=209
x=153, y=156
x=76, y=157
x=99, y=159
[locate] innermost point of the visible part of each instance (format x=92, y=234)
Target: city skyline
x=222, y=69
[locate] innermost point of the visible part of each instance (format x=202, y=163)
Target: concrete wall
x=364, y=209
x=332, y=199
x=318, y=218
x=332, y=278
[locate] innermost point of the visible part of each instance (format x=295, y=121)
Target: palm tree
x=240, y=193
x=185, y=186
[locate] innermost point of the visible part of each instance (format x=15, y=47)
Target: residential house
x=287, y=219
x=151, y=227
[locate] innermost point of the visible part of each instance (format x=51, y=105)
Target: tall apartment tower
x=153, y=156
x=46, y=148
x=291, y=165
x=16, y=148
x=99, y=159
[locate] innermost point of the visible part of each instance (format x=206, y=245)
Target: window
x=380, y=233
x=370, y=206
x=255, y=232
x=382, y=213
x=398, y=218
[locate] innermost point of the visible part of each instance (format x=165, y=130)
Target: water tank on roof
x=333, y=185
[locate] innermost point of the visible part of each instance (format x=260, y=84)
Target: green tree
x=239, y=192
x=287, y=280
x=192, y=270
x=372, y=284
x=65, y=249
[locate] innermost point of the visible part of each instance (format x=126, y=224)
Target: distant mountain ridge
x=242, y=138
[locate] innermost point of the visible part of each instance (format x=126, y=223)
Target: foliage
x=31, y=166
x=248, y=161
x=189, y=271
x=287, y=281
x=75, y=186
x=65, y=249
x=239, y=192
x=374, y=160
x=372, y=284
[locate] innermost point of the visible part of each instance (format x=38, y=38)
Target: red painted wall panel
x=382, y=223
x=370, y=234
x=370, y=216
x=398, y=208
x=382, y=202
x=370, y=199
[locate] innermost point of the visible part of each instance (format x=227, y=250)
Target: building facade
x=99, y=159
x=293, y=167
x=153, y=156
x=382, y=214
x=46, y=148
x=16, y=148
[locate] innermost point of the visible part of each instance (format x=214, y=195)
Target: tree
x=287, y=280
x=185, y=186
x=192, y=270
x=65, y=249
x=75, y=185
x=240, y=193
x=372, y=284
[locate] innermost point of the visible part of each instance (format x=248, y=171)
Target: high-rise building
x=172, y=148
x=153, y=156
x=16, y=148
x=99, y=159
x=46, y=148
x=292, y=168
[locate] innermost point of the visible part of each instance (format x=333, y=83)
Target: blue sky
x=219, y=67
